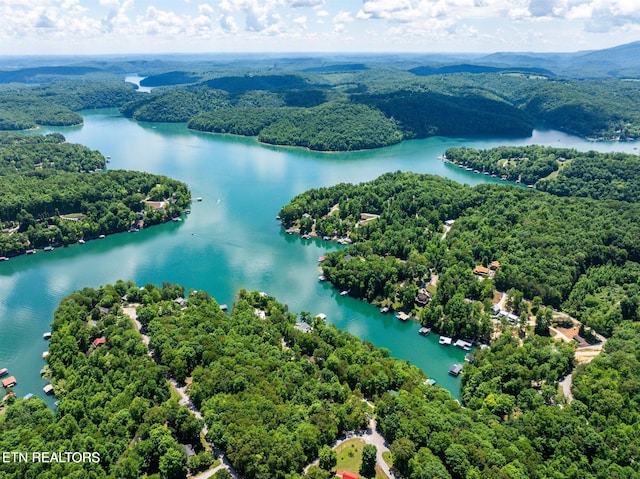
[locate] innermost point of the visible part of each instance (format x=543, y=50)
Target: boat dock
x=9, y=382
x=466, y=345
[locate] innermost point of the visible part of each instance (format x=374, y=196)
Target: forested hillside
x=547, y=247
x=560, y=171
x=450, y=101
x=57, y=104
x=55, y=193
x=273, y=394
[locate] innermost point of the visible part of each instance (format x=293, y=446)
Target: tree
x=515, y=300
x=222, y=474
x=543, y=321
x=368, y=465
x=327, y=458
x=403, y=449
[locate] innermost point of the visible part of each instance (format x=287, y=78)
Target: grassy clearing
x=350, y=457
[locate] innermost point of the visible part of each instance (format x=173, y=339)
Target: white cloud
x=205, y=9
x=305, y=3
x=228, y=23
x=343, y=17
x=301, y=20
x=322, y=13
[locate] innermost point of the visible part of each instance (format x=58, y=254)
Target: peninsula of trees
x=56, y=193
x=274, y=393
x=57, y=104
x=576, y=253
x=560, y=171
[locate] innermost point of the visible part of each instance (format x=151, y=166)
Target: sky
x=46, y=27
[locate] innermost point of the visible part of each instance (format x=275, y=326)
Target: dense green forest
x=115, y=400
x=449, y=104
x=272, y=395
x=57, y=104
x=55, y=193
x=559, y=250
x=422, y=114
x=560, y=171
x=402, y=105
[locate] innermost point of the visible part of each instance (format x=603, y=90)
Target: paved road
x=184, y=401
x=566, y=386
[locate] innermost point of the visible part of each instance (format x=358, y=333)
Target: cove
x=231, y=239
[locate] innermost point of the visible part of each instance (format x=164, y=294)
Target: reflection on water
x=231, y=239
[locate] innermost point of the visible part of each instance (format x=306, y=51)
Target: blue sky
x=168, y=26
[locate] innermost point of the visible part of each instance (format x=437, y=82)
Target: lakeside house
x=304, y=327
x=423, y=298
x=48, y=389
x=445, y=341
x=402, y=316
x=455, y=370
x=512, y=318
x=424, y=331
x=481, y=270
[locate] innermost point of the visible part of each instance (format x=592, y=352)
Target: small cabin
x=455, y=370
x=481, y=270
x=99, y=341
x=304, y=327
x=444, y=340
x=48, y=389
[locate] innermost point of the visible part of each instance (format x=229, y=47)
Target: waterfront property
x=4, y=372
x=455, y=370
x=466, y=345
x=424, y=331
x=445, y=341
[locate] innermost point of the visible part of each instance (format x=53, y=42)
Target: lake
x=231, y=239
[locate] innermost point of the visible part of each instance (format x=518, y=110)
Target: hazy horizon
x=143, y=27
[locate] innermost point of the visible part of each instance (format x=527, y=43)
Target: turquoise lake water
x=231, y=240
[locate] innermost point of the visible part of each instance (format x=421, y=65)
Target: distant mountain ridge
x=469, y=68
x=620, y=61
